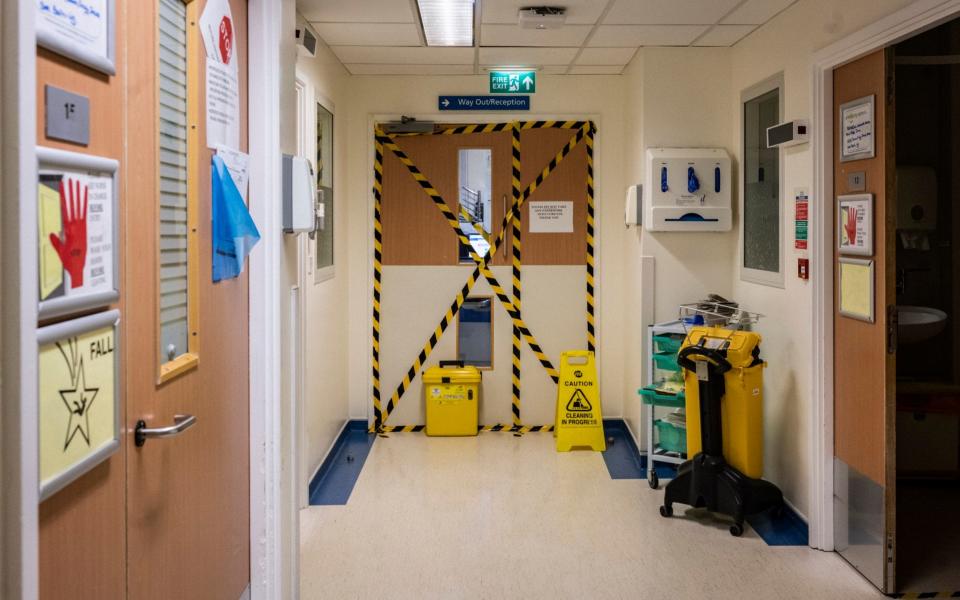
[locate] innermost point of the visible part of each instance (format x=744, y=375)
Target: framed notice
x=551, y=216
x=857, y=130
x=855, y=224
x=79, y=29
x=79, y=397
x=856, y=289
x=77, y=232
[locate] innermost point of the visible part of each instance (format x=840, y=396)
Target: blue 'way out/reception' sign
x=484, y=102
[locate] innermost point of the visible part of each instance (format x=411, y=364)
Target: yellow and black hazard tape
x=500, y=427
x=454, y=223
x=591, y=332
x=495, y=127
x=377, y=278
x=917, y=595
x=515, y=180
x=381, y=416
x=444, y=323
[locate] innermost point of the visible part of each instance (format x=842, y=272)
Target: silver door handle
x=181, y=423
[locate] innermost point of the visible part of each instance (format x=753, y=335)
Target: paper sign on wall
x=238, y=164
x=551, y=217
x=223, y=105
x=78, y=402
x=218, y=32
x=856, y=119
x=76, y=200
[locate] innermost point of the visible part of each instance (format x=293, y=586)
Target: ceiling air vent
x=542, y=17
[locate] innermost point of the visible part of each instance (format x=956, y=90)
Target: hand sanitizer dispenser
x=299, y=195
x=687, y=189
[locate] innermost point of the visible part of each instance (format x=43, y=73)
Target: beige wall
x=325, y=303
x=597, y=97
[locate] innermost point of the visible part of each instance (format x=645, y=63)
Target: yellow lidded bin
x=452, y=395
x=741, y=408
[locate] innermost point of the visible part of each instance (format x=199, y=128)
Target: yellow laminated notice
x=579, y=420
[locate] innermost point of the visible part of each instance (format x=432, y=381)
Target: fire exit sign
x=513, y=82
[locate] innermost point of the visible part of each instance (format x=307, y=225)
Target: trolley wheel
x=653, y=479
x=666, y=511
x=736, y=530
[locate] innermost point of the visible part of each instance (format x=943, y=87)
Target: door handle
x=181, y=423
x=503, y=246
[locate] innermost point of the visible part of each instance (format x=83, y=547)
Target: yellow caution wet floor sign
x=579, y=421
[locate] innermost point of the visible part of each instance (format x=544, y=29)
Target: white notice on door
x=223, y=106
x=551, y=217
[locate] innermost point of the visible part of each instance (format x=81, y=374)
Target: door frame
x=905, y=23
x=19, y=445
x=454, y=117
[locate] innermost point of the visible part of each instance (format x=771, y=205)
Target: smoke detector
x=542, y=17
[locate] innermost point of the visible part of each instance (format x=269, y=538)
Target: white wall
x=325, y=308
x=786, y=328
x=675, y=97
x=597, y=97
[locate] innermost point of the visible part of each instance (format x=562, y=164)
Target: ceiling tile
x=757, y=12
x=605, y=56
x=514, y=35
x=368, y=34
x=596, y=69
x=368, y=69
x=620, y=36
x=579, y=12
x=354, y=11
x=526, y=56
x=724, y=35
x=668, y=12
x=553, y=70
x=392, y=55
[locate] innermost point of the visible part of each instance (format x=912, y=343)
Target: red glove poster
x=76, y=237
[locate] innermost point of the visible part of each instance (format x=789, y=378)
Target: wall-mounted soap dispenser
x=688, y=189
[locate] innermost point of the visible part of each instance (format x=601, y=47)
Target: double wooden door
x=170, y=518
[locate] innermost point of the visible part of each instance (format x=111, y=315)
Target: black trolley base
x=708, y=481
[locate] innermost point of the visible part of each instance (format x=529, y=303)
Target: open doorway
x=927, y=90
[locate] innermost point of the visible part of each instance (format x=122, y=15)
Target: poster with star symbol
x=79, y=400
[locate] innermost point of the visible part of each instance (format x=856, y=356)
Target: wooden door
x=864, y=365
x=187, y=496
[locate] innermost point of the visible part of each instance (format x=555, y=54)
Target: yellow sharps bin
x=741, y=409
x=452, y=393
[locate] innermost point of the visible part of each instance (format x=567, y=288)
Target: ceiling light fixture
x=447, y=22
x=542, y=17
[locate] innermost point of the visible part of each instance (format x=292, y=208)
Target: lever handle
x=181, y=423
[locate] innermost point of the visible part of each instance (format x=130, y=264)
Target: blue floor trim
x=622, y=456
x=785, y=529
x=336, y=477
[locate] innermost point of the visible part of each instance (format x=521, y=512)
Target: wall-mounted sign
x=551, y=216
x=855, y=224
x=484, y=103
x=801, y=208
x=222, y=75
x=857, y=133
x=79, y=29
x=513, y=82
x=79, y=399
x=77, y=233
x=856, y=289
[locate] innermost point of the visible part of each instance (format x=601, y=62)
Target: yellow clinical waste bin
x=452, y=393
x=741, y=408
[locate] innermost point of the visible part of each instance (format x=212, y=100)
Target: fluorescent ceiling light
x=447, y=22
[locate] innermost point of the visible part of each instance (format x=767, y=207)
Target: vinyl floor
x=499, y=516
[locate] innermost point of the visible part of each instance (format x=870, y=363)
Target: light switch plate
x=857, y=181
x=66, y=116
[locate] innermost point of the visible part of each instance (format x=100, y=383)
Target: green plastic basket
x=651, y=395
x=666, y=361
x=670, y=437
x=667, y=344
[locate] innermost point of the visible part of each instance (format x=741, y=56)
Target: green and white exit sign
x=513, y=82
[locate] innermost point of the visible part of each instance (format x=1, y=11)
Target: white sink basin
x=919, y=323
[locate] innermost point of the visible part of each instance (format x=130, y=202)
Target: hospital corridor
x=467, y=299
